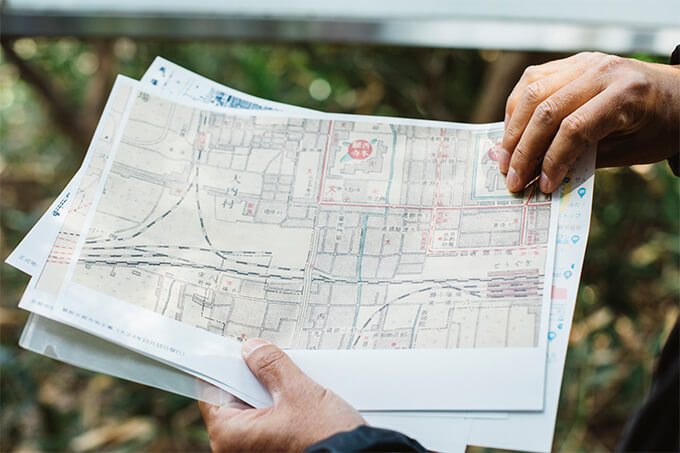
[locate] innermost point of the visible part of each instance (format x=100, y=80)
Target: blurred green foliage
x=627, y=303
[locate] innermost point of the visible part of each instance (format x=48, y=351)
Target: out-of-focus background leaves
x=51, y=94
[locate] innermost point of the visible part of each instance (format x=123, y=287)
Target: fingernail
x=251, y=345
x=504, y=160
x=507, y=120
x=544, y=183
x=513, y=180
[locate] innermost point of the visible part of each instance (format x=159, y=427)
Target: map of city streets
x=319, y=234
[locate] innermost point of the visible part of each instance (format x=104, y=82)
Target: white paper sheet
x=75, y=347
x=190, y=347
x=534, y=431
x=556, y=359
x=536, y=402
x=49, y=338
x=32, y=252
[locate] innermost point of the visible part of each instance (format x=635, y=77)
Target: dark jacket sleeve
x=674, y=161
x=656, y=425
x=366, y=439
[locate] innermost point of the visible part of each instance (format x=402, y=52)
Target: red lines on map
x=522, y=240
x=62, y=251
x=428, y=244
x=435, y=200
x=86, y=205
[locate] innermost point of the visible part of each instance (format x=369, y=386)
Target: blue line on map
x=361, y=246
x=363, y=234
x=413, y=332
x=364, y=228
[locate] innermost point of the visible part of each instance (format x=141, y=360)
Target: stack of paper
x=384, y=254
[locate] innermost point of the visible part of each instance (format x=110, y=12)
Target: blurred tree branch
x=77, y=124
x=64, y=114
x=99, y=86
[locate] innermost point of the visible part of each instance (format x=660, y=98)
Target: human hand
x=303, y=413
x=632, y=108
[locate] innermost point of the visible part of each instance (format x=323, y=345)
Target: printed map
x=318, y=234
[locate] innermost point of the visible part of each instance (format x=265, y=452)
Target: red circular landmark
x=360, y=149
x=495, y=151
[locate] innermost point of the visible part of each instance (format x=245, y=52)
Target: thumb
x=273, y=367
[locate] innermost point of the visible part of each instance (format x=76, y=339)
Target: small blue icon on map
x=551, y=335
x=567, y=274
x=575, y=238
x=582, y=191
x=560, y=326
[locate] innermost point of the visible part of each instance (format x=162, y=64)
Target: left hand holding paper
x=303, y=412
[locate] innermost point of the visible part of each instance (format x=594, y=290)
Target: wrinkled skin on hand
x=303, y=413
x=629, y=107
